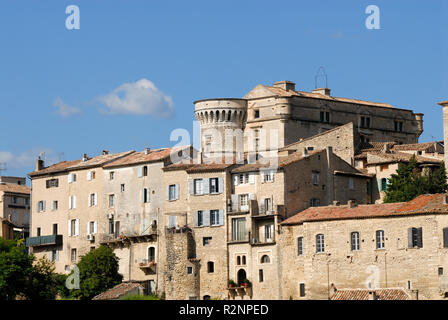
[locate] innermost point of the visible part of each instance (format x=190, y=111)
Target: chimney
x=351, y=203
x=147, y=151
x=372, y=295
x=105, y=152
x=285, y=85
x=386, y=148
x=323, y=91
x=39, y=164
x=84, y=157
x=336, y=203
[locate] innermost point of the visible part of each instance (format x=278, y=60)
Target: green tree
x=43, y=283
x=98, y=272
x=15, y=268
x=409, y=182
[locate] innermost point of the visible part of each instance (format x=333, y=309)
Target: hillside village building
x=14, y=206
x=184, y=226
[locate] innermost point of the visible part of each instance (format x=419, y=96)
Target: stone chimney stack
x=285, y=85
x=147, y=151
x=323, y=91
x=84, y=157
x=39, y=164
x=105, y=152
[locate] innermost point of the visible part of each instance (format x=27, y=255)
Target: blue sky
x=60, y=89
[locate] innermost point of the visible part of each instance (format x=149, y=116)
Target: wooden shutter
x=176, y=197
x=410, y=244
x=95, y=226
x=195, y=218
x=51, y=255
x=206, y=217
x=167, y=192
x=420, y=237
x=221, y=217
x=69, y=177
x=234, y=202
x=76, y=227
x=140, y=172
x=251, y=178
x=43, y=205
x=235, y=179
x=148, y=194
x=52, y=206
x=57, y=255
x=95, y=199
x=205, y=186
x=88, y=227
x=89, y=176
x=191, y=186
x=69, y=232
x=220, y=185
x=262, y=176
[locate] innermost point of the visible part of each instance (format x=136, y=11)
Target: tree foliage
x=98, y=272
x=409, y=182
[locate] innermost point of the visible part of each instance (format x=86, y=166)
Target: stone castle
x=198, y=228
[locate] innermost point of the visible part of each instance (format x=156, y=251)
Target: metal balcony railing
x=51, y=240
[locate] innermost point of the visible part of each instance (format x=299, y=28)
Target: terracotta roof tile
x=363, y=294
x=118, y=291
x=15, y=188
x=382, y=157
x=431, y=204
x=99, y=160
x=425, y=146
x=58, y=167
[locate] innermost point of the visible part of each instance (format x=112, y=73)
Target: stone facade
x=15, y=203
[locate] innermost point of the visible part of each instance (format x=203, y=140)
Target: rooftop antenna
x=320, y=74
x=2, y=167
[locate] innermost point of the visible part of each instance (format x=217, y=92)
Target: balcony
x=52, y=240
x=148, y=265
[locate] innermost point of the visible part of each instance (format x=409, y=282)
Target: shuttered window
x=415, y=237
x=300, y=246
x=445, y=237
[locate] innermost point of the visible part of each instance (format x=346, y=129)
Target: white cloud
x=141, y=97
x=64, y=109
x=27, y=158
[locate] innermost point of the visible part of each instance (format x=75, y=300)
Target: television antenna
x=320, y=74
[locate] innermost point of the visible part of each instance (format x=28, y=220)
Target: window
x=38, y=232
x=314, y=202
x=111, y=225
x=145, y=171
x=189, y=270
x=71, y=177
x=320, y=247
x=73, y=255
x=90, y=175
x=260, y=275
x=398, y=126
x=117, y=229
x=354, y=236
x=54, y=205
x=315, y=178
x=244, y=260
x=122, y=188
x=302, y=289
x=92, y=199
x=55, y=228
x=172, y=221
x=365, y=122
x=445, y=237
x=206, y=241
x=383, y=184
x=244, y=200
x=351, y=183
x=214, y=185
x=265, y=259
x=73, y=227
x=380, y=239
x=151, y=254
x=41, y=206
x=72, y=202
x=145, y=195
x=238, y=260
x=210, y=267
x=324, y=116
x=268, y=232
x=440, y=271
x=200, y=218
x=92, y=227
x=268, y=205
x=241, y=178
x=214, y=217
x=300, y=246
x=111, y=175
x=54, y=255
x=172, y=192
x=52, y=183
x=239, y=229
x=198, y=186
x=257, y=114
x=415, y=237
x=111, y=200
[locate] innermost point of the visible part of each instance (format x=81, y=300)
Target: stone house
x=396, y=245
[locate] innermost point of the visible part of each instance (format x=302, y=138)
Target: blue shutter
x=205, y=186
x=220, y=185
x=195, y=218
x=221, y=217
x=176, y=192
x=167, y=192
x=191, y=186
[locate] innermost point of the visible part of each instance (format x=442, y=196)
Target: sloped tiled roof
x=58, y=167
x=315, y=95
x=382, y=157
x=425, y=146
x=424, y=204
x=363, y=294
x=143, y=157
x=118, y=291
x=15, y=188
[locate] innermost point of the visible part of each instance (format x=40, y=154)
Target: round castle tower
x=222, y=122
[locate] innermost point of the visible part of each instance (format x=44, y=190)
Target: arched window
x=151, y=254
x=244, y=260
x=238, y=260
x=265, y=259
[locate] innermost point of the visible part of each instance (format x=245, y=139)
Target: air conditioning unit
x=110, y=216
x=90, y=237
